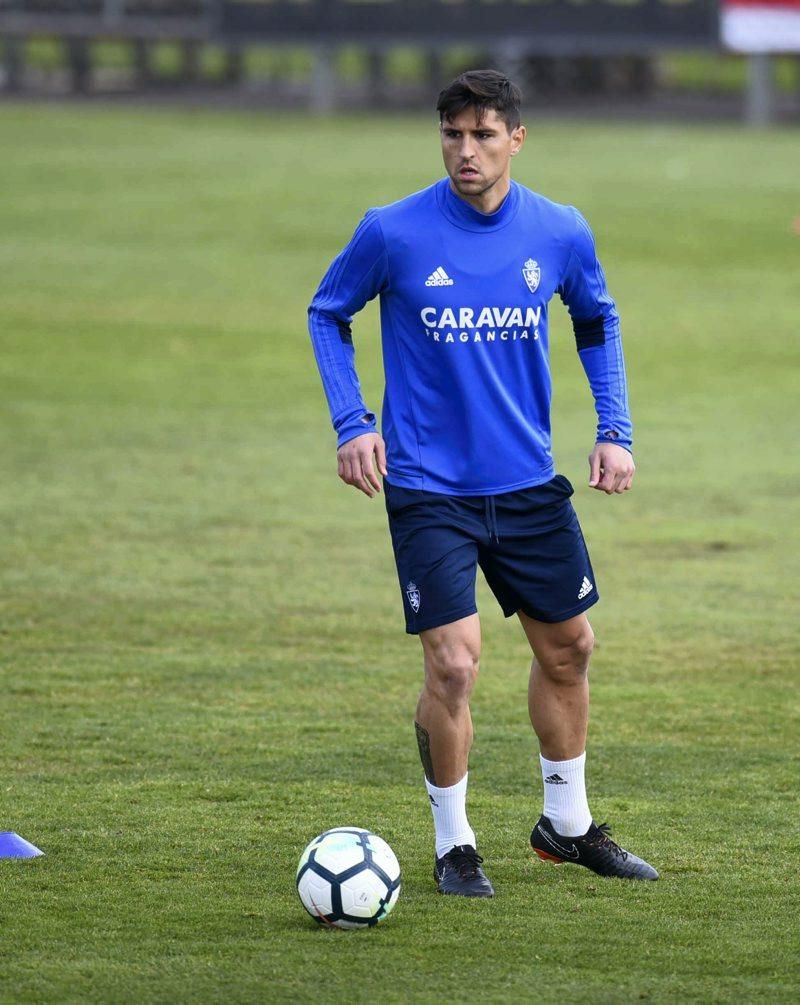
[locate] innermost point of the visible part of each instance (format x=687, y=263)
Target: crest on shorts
x=532, y=274
x=413, y=595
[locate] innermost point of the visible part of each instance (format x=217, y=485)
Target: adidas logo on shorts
x=586, y=587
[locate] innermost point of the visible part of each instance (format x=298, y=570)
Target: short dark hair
x=481, y=90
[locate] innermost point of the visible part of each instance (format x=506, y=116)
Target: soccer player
x=465, y=270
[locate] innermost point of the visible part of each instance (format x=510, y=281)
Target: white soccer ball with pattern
x=348, y=878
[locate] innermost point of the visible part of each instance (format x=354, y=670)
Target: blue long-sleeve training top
x=463, y=299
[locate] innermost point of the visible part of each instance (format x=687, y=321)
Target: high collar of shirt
x=462, y=214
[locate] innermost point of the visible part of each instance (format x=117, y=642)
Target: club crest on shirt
x=413, y=595
x=532, y=274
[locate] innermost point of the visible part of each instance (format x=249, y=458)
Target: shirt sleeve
x=355, y=276
x=597, y=335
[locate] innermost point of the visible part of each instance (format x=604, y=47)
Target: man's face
x=477, y=155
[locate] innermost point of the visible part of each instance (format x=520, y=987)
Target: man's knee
x=451, y=668
x=567, y=659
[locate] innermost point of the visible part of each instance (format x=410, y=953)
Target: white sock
x=565, y=803
x=449, y=808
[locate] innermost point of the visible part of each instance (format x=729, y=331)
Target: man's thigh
x=456, y=644
x=550, y=641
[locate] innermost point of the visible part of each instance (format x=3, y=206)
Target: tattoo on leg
x=424, y=744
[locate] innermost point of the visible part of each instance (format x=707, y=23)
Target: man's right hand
x=356, y=465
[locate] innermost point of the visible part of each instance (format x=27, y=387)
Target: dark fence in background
x=540, y=25
x=529, y=38
x=95, y=19
x=556, y=24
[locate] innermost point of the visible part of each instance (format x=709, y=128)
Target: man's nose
x=467, y=147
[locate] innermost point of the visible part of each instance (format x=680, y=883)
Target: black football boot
x=594, y=849
x=459, y=872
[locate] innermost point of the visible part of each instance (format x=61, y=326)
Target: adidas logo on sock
x=555, y=780
x=586, y=587
x=439, y=278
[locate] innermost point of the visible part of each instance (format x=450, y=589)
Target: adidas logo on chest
x=439, y=278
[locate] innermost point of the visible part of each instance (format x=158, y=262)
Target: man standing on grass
x=465, y=270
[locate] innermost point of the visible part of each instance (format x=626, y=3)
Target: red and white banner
x=761, y=25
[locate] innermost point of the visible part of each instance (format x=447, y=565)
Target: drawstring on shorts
x=491, y=519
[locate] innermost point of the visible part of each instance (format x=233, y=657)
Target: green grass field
x=203, y=657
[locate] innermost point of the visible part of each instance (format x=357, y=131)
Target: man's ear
x=517, y=139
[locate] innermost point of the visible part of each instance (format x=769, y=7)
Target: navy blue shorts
x=528, y=543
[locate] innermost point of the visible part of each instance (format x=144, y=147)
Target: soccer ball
x=348, y=878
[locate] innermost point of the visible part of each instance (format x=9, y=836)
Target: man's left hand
x=611, y=468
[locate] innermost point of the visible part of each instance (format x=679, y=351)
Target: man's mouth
x=467, y=172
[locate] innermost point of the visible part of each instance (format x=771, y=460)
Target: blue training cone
x=13, y=846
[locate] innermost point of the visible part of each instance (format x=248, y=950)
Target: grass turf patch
x=202, y=647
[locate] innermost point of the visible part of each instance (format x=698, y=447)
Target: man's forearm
x=335, y=356
x=604, y=366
